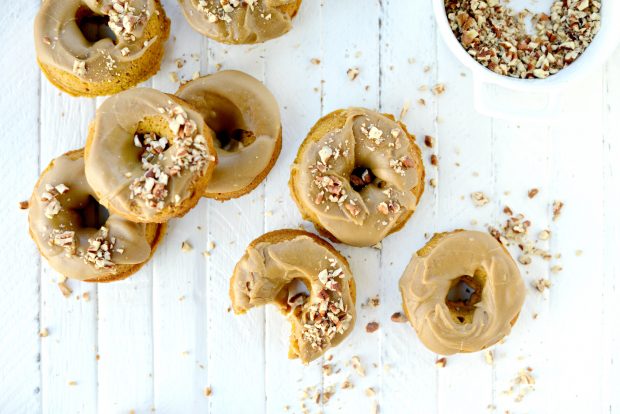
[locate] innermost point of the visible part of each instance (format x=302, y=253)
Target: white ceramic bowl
x=540, y=96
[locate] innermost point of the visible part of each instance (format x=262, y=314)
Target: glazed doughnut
x=71, y=231
x=358, y=176
x=149, y=155
x=462, y=292
x=240, y=21
x=100, y=47
x=323, y=316
x=246, y=119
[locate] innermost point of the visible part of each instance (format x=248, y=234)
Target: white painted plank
x=20, y=377
x=236, y=358
x=465, y=147
x=68, y=354
x=179, y=282
x=409, y=378
x=300, y=107
x=521, y=162
x=611, y=204
x=578, y=182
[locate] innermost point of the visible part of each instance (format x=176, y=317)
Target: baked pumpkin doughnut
x=240, y=21
x=149, y=155
x=358, y=176
x=246, y=119
x=322, y=314
x=72, y=232
x=462, y=292
x=100, y=47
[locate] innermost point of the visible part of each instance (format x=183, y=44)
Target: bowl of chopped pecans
x=532, y=49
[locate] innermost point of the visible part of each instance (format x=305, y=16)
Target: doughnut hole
x=463, y=295
x=94, y=27
x=82, y=211
x=155, y=125
x=225, y=119
x=361, y=177
x=293, y=295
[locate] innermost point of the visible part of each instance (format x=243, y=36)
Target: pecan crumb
x=23, y=205
x=353, y=73
x=441, y=362
x=557, y=209
x=429, y=141
x=532, y=193
x=372, y=327
x=398, y=317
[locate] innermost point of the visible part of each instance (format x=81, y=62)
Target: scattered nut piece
x=186, y=246
x=429, y=141
x=357, y=366
x=557, y=209
x=43, y=333
x=438, y=89
x=532, y=193
x=488, y=356
x=541, y=284
x=353, y=73
x=398, y=317
x=66, y=290
x=479, y=198
x=441, y=362
x=208, y=391
x=372, y=327
x=23, y=205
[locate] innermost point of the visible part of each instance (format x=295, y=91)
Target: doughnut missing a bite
x=307, y=279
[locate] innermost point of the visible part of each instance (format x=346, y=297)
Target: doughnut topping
x=80, y=239
x=246, y=120
x=191, y=153
x=328, y=315
x=359, y=181
x=321, y=312
x=240, y=21
x=462, y=292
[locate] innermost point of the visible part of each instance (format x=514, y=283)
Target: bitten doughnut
x=272, y=269
x=358, y=176
x=246, y=119
x=240, y=21
x=462, y=292
x=72, y=232
x=149, y=156
x=100, y=47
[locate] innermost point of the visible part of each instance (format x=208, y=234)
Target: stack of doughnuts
x=97, y=214
x=150, y=157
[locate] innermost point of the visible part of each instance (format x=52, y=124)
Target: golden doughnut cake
x=240, y=21
x=72, y=232
x=358, y=176
x=149, y=156
x=322, y=312
x=99, y=47
x=462, y=292
x=246, y=120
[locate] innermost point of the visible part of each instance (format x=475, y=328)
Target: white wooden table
x=156, y=341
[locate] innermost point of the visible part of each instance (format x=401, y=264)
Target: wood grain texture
x=158, y=340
